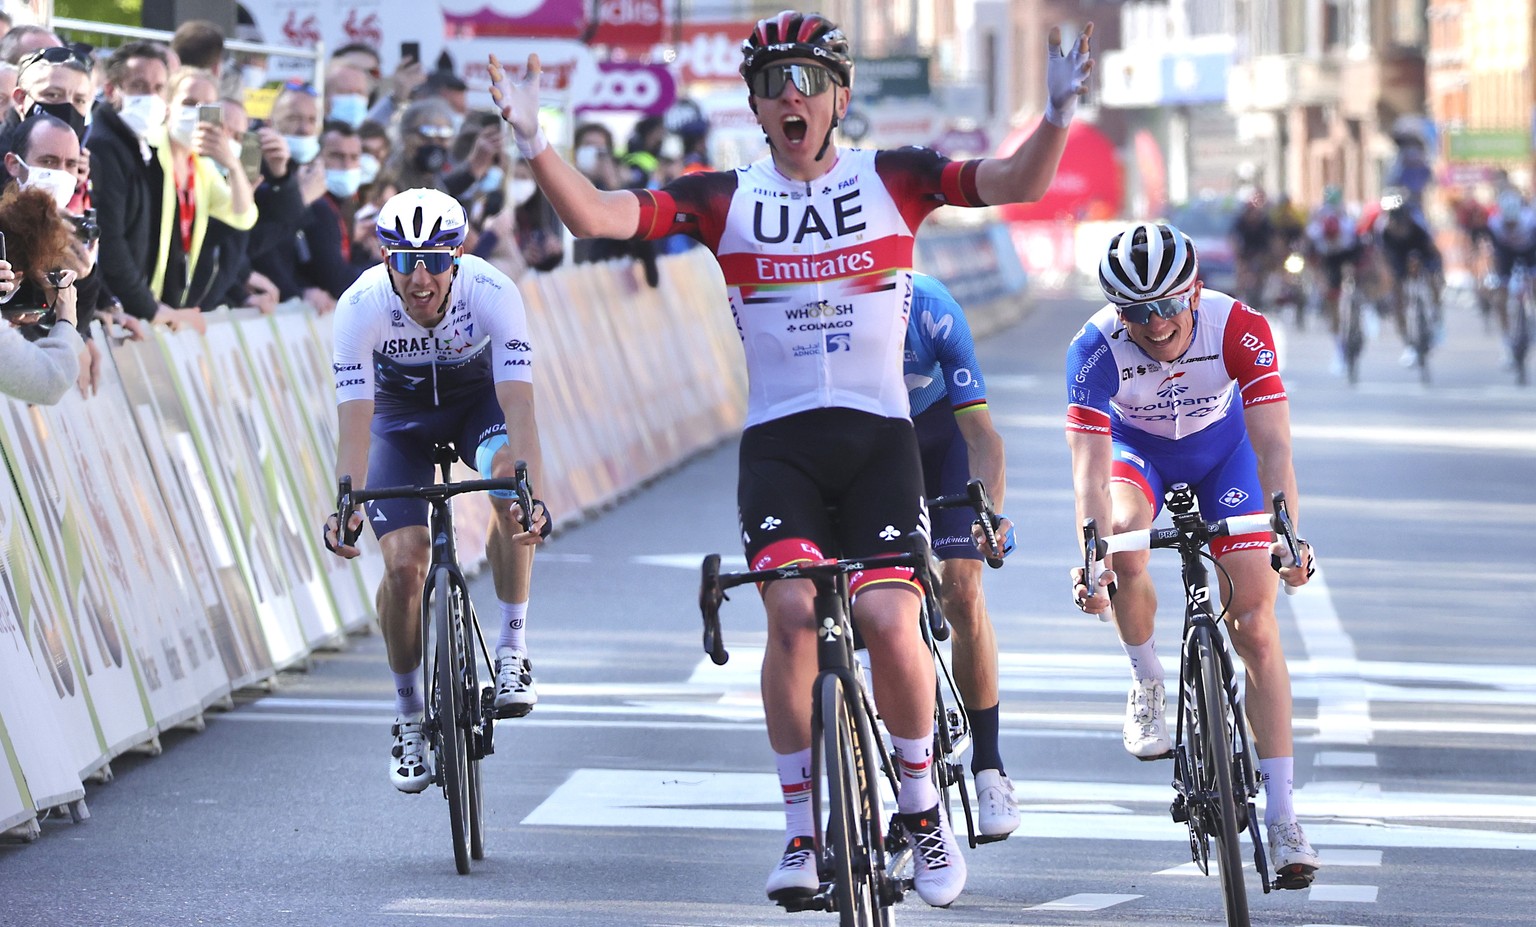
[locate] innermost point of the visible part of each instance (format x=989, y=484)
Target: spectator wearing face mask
x=56, y=81
x=426, y=128
x=205, y=181
x=296, y=117
x=328, y=220
x=127, y=129
x=376, y=147
x=346, y=95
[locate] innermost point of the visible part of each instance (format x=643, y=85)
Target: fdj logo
x=1265, y=358
x=839, y=341
x=1233, y=498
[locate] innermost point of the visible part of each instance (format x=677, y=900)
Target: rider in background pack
x=958, y=442
x=1401, y=236
x=1512, y=233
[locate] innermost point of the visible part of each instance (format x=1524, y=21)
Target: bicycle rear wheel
x=1353, y=330
x=447, y=609
x=1219, y=799
x=1519, y=334
x=853, y=838
x=1423, y=327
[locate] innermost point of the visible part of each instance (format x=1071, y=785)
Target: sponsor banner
x=72, y=560
x=568, y=70
x=41, y=771
x=97, y=458
x=309, y=425
x=233, y=474
x=544, y=19
x=631, y=25
x=228, y=607
x=244, y=389
x=631, y=88
x=304, y=24
x=712, y=51
x=15, y=802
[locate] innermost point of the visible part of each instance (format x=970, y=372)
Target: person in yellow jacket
x=205, y=189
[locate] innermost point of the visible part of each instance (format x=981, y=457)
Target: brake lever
x=1094, y=551
x=982, y=503
x=344, y=509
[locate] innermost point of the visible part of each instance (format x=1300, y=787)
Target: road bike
x=1351, y=315
x=859, y=872
x=1517, y=319
x=460, y=714
x=1215, y=770
x=1421, y=315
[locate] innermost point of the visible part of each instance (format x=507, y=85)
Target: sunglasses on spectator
x=436, y=261
x=435, y=131
x=769, y=83
x=57, y=54
x=1167, y=308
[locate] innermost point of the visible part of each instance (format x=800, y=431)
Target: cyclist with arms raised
x=957, y=442
x=431, y=347
x=1174, y=383
x=816, y=246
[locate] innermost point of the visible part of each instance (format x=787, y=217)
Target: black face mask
x=430, y=159
x=65, y=113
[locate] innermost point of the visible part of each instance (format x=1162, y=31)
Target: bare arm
x=353, y=419
x=985, y=447
x=1091, y=458
x=1269, y=430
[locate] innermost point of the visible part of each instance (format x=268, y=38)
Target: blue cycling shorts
x=401, y=453
x=946, y=470
x=1218, y=462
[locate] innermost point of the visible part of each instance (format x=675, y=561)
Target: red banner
x=633, y=25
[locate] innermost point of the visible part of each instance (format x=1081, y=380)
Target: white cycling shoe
x=938, y=867
x=997, y=810
x=1291, y=856
x=1146, y=729
x=408, y=755
x=515, y=692
x=794, y=878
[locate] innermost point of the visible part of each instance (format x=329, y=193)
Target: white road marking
x=1343, y=703
x=1083, y=902
x=1344, y=758
x=1362, y=894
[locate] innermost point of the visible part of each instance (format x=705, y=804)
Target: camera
x=86, y=228
x=57, y=278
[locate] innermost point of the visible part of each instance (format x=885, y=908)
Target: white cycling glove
x=1066, y=78
x=518, y=101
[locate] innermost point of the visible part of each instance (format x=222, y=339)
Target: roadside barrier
x=160, y=541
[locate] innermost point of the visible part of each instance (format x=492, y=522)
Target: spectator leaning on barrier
x=41, y=279
x=46, y=157
x=206, y=183
x=127, y=127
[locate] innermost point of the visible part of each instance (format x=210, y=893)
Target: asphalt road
x=641, y=790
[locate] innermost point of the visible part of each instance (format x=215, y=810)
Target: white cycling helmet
x=1147, y=262
x=421, y=218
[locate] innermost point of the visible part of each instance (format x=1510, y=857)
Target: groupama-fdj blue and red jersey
x=819, y=272
x=940, y=357
x=1180, y=420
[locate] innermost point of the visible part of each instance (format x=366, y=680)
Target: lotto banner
x=166, y=434
x=231, y=466
x=72, y=561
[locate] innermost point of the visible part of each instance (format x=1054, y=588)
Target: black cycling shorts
x=847, y=483
x=946, y=470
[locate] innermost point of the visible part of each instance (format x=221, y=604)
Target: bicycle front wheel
x=1217, y=789
x=447, y=611
x=854, y=809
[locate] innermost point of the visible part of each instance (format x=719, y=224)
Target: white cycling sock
x=408, y=698
x=795, y=781
x=1144, y=662
x=513, y=617
x=1277, y=773
x=914, y=760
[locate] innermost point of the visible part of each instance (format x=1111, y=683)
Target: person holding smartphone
x=42, y=370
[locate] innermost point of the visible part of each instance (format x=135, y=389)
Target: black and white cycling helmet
x=421, y=218
x=1146, y=262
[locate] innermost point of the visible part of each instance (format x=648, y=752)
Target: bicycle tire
x=856, y=859
x=454, y=774
x=1215, y=780
x=1354, y=332
x=475, y=706
x=1520, y=335
x=1423, y=328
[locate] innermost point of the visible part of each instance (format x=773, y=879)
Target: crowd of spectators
x=181, y=179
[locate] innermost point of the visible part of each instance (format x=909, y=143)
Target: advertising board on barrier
x=31, y=726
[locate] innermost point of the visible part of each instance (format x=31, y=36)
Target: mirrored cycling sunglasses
x=1167, y=307
x=435, y=262
x=809, y=79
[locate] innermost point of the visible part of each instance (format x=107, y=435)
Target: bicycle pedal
x=515, y=710
x=796, y=900
x=1154, y=759
x=991, y=838
x=1298, y=877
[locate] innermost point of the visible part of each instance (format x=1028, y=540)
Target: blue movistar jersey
x=940, y=355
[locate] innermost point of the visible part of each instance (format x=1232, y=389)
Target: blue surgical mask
x=493, y=179
x=351, y=108
x=343, y=182
x=303, y=148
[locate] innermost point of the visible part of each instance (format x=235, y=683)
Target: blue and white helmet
x=421, y=218
x=1147, y=262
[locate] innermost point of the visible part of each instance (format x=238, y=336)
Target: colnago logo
x=788, y=270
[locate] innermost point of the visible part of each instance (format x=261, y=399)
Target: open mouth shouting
x=795, y=128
